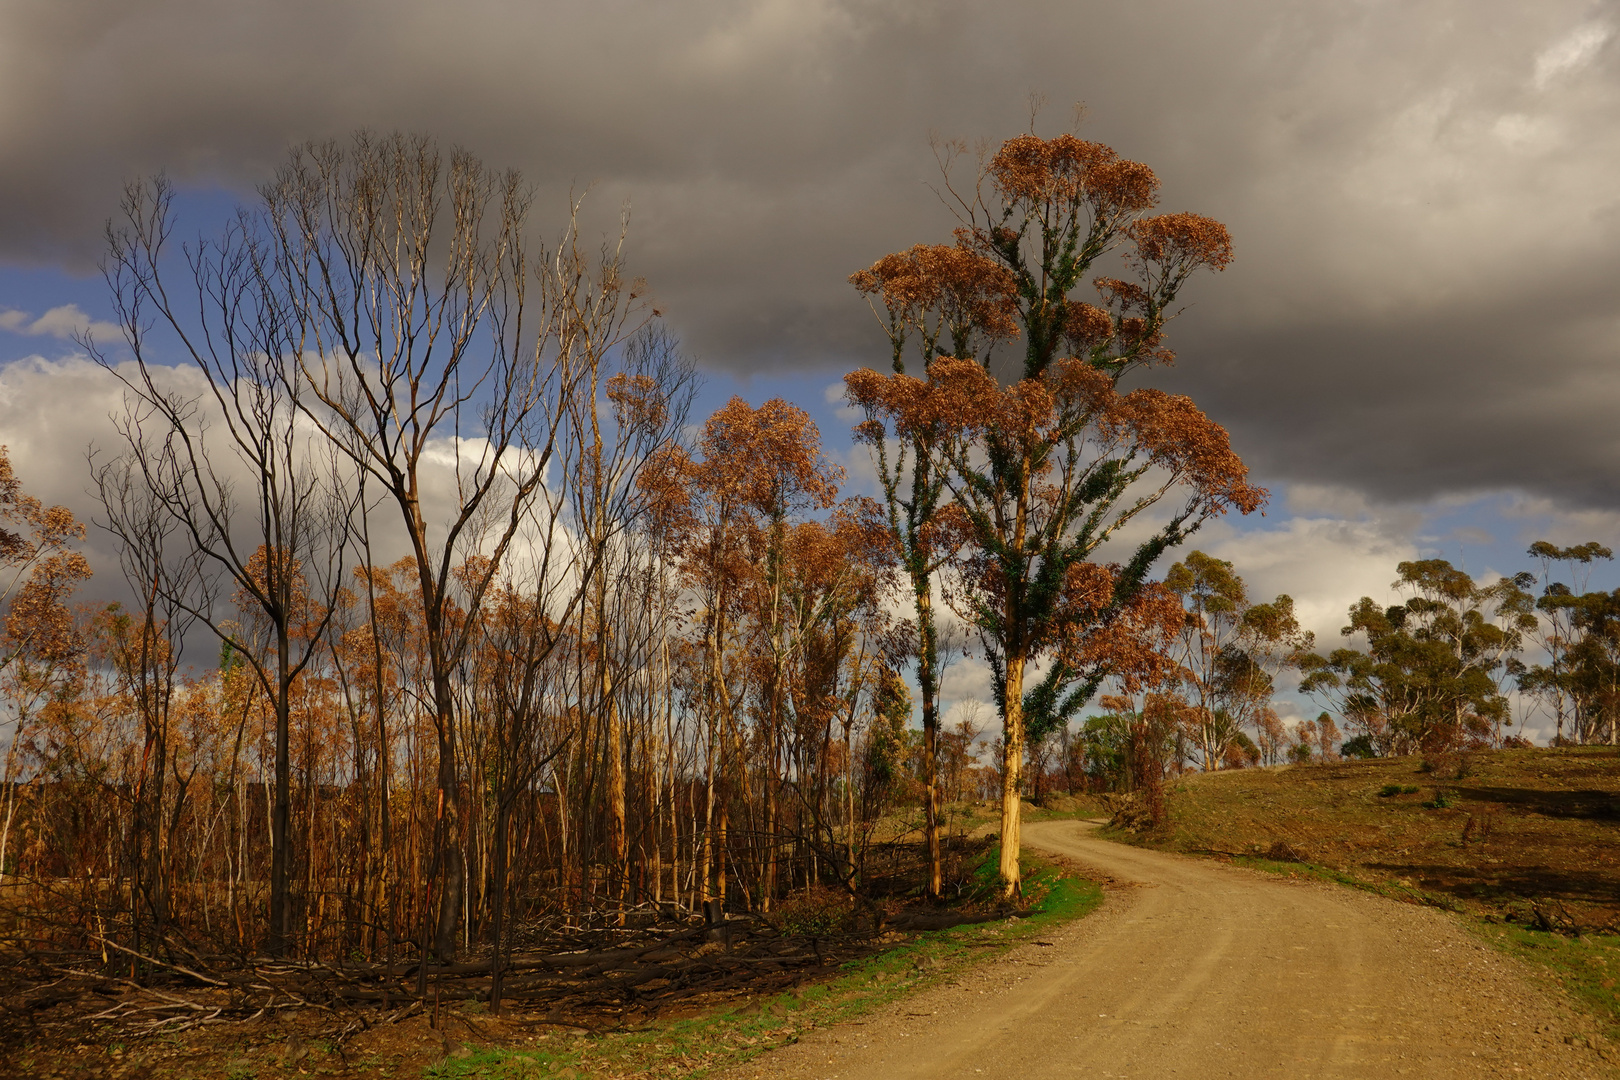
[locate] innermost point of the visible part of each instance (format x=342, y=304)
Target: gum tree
x=1430, y=678
x=1047, y=466
x=935, y=300
x=1565, y=611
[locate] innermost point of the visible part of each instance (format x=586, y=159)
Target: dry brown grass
x=1527, y=835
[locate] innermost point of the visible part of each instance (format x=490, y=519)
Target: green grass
x=1587, y=967
x=694, y=1047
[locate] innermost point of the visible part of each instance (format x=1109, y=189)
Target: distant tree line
x=1433, y=675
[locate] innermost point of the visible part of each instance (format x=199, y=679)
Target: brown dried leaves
x=639, y=403
x=1074, y=399
x=1068, y=170
x=942, y=287
x=38, y=623
x=1183, y=241
x=1133, y=643
x=1182, y=440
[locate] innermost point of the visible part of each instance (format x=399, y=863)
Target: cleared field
x=1527, y=835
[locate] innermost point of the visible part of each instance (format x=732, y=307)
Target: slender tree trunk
x=152, y=691
x=706, y=859
x=721, y=820
x=849, y=786
x=714, y=840
x=618, y=845
x=927, y=675
x=1012, y=777
x=501, y=869
x=447, y=836
x=672, y=815
x=931, y=781
x=767, y=885
x=280, y=901
x=11, y=790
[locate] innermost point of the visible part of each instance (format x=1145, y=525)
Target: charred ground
x=605, y=996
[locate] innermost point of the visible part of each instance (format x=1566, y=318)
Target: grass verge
x=699, y=1046
x=1586, y=967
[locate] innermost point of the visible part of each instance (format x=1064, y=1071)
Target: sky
x=1414, y=350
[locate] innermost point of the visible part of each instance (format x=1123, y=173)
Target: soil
x=1196, y=970
x=1529, y=836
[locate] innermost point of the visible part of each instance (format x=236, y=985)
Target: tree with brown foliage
x=939, y=300
x=724, y=517
x=1047, y=469
x=39, y=565
x=41, y=646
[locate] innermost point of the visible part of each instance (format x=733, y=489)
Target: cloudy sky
x=1415, y=349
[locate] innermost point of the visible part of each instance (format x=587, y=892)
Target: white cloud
x=1337, y=548
x=65, y=323
x=50, y=413
x=966, y=680
x=1570, y=53
x=833, y=394
x=1522, y=132
x=980, y=715
x=55, y=412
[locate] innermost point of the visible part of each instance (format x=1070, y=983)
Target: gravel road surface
x=1195, y=970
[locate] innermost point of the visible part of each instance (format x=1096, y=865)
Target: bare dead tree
x=169, y=584
x=258, y=495
x=427, y=325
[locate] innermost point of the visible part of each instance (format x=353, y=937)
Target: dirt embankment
x=1531, y=836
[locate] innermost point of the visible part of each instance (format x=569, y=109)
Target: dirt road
x=1197, y=970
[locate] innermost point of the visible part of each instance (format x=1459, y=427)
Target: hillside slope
x=1529, y=836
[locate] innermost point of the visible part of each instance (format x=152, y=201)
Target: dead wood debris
x=586, y=978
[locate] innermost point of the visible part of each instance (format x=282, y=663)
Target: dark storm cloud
x=1421, y=193
x=1513, y=389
